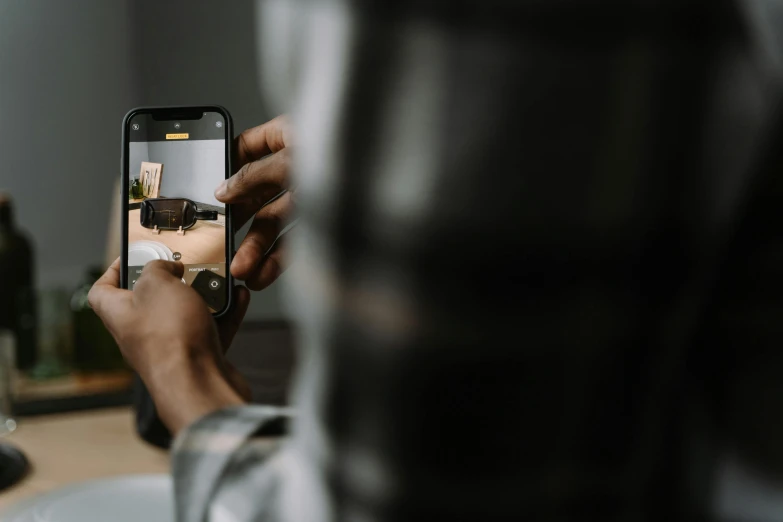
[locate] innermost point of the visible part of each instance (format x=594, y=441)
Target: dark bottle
x=94, y=347
x=136, y=189
x=17, y=298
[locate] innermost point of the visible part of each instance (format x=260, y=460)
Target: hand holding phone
x=178, y=155
x=262, y=192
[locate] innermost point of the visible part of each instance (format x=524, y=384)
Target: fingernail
x=221, y=190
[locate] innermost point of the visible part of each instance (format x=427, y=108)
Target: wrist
x=186, y=388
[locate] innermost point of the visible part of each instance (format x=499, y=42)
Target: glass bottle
x=7, y=381
x=136, y=189
x=55, y=335
x=94, y=348
x=17, y=303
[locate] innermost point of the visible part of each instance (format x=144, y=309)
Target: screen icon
x=135, y=126
x=177, y=125
x=218, y=124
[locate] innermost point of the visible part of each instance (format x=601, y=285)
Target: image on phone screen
x=173, y=169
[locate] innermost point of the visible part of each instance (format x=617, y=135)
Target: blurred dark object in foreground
x=542, y=261
x=17, y=297
x=263, y=353
x=13, y=465
x=94, y=348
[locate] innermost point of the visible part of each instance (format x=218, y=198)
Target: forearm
x=186, y=390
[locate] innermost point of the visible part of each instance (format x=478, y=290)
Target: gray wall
x=191, y=169
x=65, y=83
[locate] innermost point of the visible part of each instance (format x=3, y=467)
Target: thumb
x=164, y=268
x=106, y=297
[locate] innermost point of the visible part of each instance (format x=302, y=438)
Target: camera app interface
x=174, y=167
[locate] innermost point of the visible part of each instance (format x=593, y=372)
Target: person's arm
x=198, y=395
x=217, y=463
x=180, y=359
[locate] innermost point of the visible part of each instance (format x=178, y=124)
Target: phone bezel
x=171, y=113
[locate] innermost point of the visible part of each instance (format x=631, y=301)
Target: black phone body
x=173, y=158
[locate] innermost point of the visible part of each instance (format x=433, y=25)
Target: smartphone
x=173, y=159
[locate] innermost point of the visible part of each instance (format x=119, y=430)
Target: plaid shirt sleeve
x=218, y=464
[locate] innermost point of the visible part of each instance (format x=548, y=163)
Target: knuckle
x=277, y=212
x=255, y=242
x=241, y=179
x=271, y=214
x=153, y=266
x=242, y=143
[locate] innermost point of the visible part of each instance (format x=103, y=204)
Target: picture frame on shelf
x=149, y=177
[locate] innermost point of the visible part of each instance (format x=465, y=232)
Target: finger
x=105, y=287
x=257, y=181
x=106, y=297
x=257, y=242
x=228, y=325
x=257, y=142
x=112, y=275
x=165, y=269
x=273, y=264
x=268, y=223
x=241, y=212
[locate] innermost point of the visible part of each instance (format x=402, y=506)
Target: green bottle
x=17, y=298
x=94, y=347
x=136, y=189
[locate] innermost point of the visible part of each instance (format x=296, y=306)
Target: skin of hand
x=167, y=334
x=262, y=156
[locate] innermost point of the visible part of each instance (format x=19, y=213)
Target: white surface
x=163, y=251
x=131, y=498
x=139, y=255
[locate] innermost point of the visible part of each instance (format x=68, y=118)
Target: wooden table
x=204, y=243
x=74, y=447
x=72, y=384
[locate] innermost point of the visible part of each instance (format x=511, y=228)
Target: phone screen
x=173, y=168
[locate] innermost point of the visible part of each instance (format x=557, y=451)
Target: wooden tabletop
x=74, y=383
x=204, y=243
x=74, y=447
